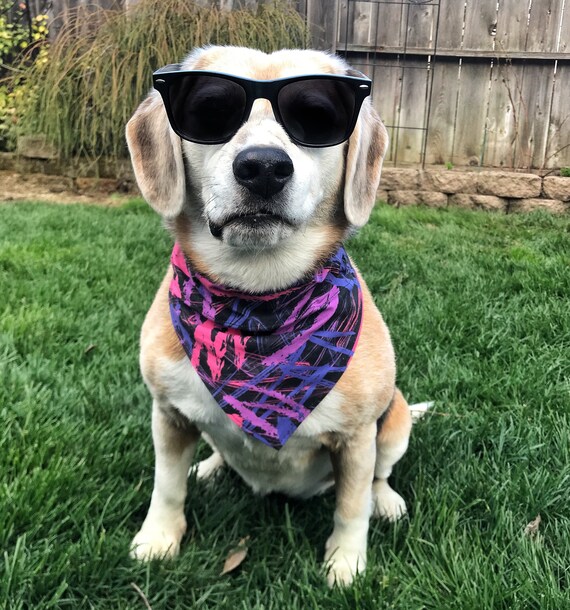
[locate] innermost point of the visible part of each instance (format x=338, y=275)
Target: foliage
x=101, y=65
x=565, y=172
x=477, y=305
x=18, y=40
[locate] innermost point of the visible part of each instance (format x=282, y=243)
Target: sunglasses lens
x=206, y=109
x=317, y=112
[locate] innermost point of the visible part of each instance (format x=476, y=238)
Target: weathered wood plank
x=387, y=83
x=451, y=19
x=443, y=112
x=543, y=26
x=390, y=18
x=458, y=53
x=480, y=24
x=558, y=149
x=322, y=20
x=364, y=23
x=564, y=45
x=499, y=147
x=421, y=22
x=512, y=25
x=534, y=115
x=345, y=21
x=412, y=116
x=472, y=105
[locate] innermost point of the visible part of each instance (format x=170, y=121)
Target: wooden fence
x=466, y=82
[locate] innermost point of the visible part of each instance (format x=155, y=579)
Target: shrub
x=26, y=36
x=100, y=65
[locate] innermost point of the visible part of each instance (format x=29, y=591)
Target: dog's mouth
x=260, y=222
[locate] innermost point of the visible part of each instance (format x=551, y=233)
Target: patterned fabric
x=269, y=359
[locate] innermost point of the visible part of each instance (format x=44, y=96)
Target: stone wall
x=486, y=190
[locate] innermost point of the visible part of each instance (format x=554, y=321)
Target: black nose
x=263, y=170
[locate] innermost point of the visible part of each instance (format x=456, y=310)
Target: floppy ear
x=156, y=155
x=366, y=149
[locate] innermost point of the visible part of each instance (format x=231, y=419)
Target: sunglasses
x=315, y=110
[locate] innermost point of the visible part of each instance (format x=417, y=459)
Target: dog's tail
x=419, y=410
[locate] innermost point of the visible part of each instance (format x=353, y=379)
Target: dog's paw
x=386, y=503
x=155, y=542
x=208, y=468
x=342, y=565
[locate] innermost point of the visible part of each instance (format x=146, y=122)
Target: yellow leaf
x=235, y=557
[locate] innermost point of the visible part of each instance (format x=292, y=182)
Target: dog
x=261, y=165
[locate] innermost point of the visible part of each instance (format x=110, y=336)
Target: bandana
x=268, y=360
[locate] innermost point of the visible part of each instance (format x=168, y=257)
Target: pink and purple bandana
x=268, y=360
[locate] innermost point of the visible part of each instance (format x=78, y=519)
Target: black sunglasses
x=315, y=110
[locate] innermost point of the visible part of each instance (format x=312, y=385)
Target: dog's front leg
x=165, y=524
x=353, y=464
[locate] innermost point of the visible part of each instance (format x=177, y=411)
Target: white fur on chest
x=301, y=468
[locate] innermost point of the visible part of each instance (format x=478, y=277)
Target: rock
x=400, y=179
x=509, y=184
x=448, y=181
x=381, y=195
x=554, y=206
x=478, y=202
x=557, y=187
x=429, y=198
x=36, y=147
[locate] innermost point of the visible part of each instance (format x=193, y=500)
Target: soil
x=60, y=189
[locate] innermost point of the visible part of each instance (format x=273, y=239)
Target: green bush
x=100, y=65
x=23, y=36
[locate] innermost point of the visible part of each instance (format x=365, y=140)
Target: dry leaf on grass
x=235, y=557
x=531, y=529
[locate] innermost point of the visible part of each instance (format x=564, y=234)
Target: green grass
x=479, y=313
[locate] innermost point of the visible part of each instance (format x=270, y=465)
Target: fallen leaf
x=235, y=556
x=89, y=348
x=531, y=529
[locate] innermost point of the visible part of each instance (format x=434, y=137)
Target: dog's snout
x=263, y=170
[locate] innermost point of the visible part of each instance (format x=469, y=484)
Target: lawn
x=478, y=305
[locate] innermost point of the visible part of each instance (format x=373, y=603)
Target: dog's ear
x=156, y=155
x=366, y=149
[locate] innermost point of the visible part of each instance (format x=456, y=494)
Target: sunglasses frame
x=260, y=89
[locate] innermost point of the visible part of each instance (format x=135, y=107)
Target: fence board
x=322, y=20
x=564, y=45
x=543, y=26
x=480, y=24
x=534, y=114
x=389, y=25
x=452, y=13
x=471, y=113
x=502, y=118
x=512, y=25
x=412, y=112
x=364, y=23
x=443, y=112
x=387, y=84
x=344, y=22
x=558, y=149
x=420, y=22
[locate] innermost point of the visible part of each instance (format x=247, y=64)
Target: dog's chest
x=301, y=468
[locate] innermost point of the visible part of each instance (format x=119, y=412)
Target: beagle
x=263, y=337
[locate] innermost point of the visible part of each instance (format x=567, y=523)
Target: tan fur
x=334, y=189
x=398, y=422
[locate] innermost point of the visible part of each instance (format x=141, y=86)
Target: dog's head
x=258, y=191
